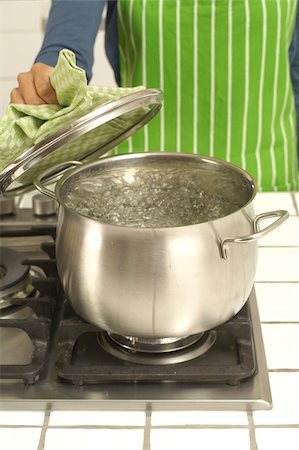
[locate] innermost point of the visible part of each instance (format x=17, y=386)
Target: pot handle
x=282, y=216
x=38, y=183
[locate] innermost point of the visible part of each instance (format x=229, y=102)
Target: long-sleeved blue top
x=74, y=24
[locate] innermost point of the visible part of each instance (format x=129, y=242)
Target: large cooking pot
x=156, y=282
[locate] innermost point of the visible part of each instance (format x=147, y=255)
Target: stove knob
x=43, y=205
x=7, y=205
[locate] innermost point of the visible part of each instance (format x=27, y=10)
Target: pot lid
x=17, y=178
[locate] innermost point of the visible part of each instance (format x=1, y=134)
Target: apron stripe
x=212, y=91
x=132, y=37
x=128, y=60
x=144, y=74
x=246, y=97
x=293, y=134
x=130, y=141
x=161, y=59
x=229, y=78
x=277, y=51
x=178, y=69
x=292, y=115
x=122, y=57
x=261, y=90
x=239, y=106
x=282, y=113
x=195, y=81
x=291, y=21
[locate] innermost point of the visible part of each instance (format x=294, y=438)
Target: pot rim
x=139, y=155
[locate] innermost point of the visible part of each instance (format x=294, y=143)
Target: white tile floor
x=93, y=439
x=113, y=418
x=277, y=438
x=207, y=439
x=185, y=418
x=271, y=308
x=20, y=438
x=277, y=289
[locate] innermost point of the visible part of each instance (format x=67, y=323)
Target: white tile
x=277, y=264
x=281, y=345
x=18, y=50
x=277, y=438
x=45, y=7
x=271, y=201
x=22, y=417
x=199, y=418
x=93, y=439
x=285, y=395
x=278, y=302
x=206, y=439
x=20, y=15
x=19, y=438
x=118, y=418
x=286, y=234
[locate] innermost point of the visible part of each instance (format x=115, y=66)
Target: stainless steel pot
x=159, y=282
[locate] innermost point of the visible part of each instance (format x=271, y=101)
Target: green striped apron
x=223, y=66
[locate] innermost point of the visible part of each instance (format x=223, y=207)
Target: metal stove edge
x=250, y=395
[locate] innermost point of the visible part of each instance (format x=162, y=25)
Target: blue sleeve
x=294, y=63
x=72, y=24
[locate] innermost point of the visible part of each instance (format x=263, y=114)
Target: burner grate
x=81, y=360
x=38, y=328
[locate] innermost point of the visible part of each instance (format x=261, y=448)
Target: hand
x=34, y=86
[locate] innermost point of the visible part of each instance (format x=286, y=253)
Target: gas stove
x=51, y=357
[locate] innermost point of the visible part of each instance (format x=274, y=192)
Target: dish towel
x=25, y=125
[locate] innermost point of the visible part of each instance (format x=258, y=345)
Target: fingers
x=34, y=87
x=41, y=77
x=16, y=96
x=28, y=89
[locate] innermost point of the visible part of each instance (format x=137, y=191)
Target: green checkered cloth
x=25, y=125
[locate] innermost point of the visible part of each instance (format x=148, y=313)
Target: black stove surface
x=79, y=359
x=72, y=371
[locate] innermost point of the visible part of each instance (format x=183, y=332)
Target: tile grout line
x=280, y=426
x=276, y=322
x=156, y=427
x=279, y=246
x=211, y=426
x=41, y=444
x=276, y=282
x=147, y=428
x=294, y=203
x=30, y=427
x=20, y=31
x=252, y=437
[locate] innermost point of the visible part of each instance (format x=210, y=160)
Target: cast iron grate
x=81, y=360
x=38, y=328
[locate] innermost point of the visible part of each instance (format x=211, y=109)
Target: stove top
x=73, y=364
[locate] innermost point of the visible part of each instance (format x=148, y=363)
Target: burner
x=16, y=286
x=156, y=351
x=15, y=277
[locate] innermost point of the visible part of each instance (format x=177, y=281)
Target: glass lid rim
x=77, y=128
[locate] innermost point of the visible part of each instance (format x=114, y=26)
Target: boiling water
x=140, y=197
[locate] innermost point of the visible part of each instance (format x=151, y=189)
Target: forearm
x=72, y=24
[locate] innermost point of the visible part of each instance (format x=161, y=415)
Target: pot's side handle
x=282, y=216
x=38, y=181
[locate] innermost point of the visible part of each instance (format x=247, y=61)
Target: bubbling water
x=154, y=198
